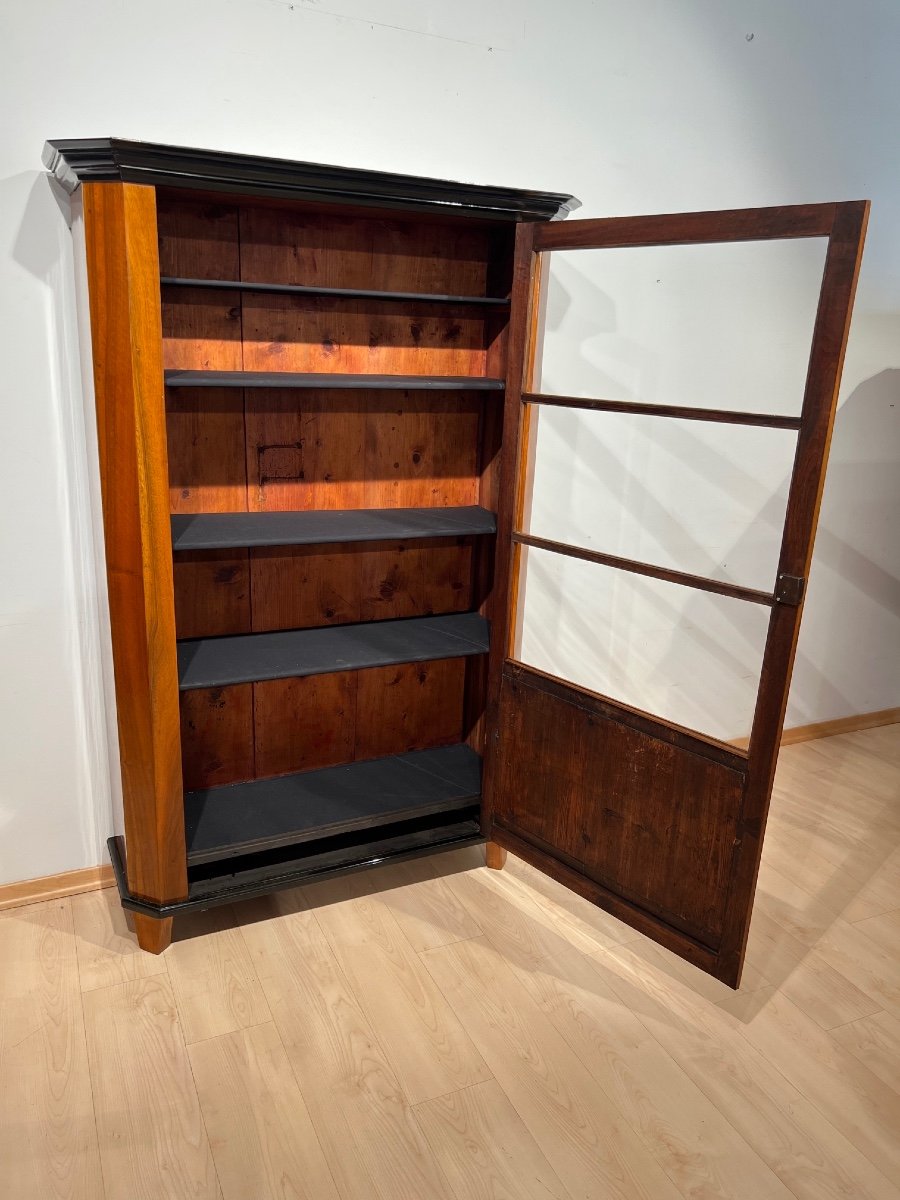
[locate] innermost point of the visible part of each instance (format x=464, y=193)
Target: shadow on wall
x=697, y=656
x=43, y=247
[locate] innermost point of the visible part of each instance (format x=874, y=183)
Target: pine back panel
x=276, y=450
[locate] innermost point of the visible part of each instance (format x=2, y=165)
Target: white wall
x=636, y=107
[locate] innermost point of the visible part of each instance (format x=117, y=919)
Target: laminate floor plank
x=153, y=1141
x=700, y=1151
x=582, y=1134
x=48, y=1137
x=107, y=949
x=484, y=1149
x=814, y=1159
x=427, y=1046
x=846, y=1092
x=215, y=985
x=422, y=902
x=434, y=1030
x=875, y=1041
x=262, y=1138
x=368, y=1132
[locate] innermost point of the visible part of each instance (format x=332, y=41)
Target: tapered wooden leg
x=494, y=856
x=152, y=935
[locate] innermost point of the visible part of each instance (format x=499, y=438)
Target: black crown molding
x=106, y=160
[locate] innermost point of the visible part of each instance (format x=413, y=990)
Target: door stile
x=829, y=344
x=521, y=349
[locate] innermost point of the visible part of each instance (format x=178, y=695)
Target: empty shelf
x=216, y=531
x=253, y=657
x=296, y=289
x=244, y=818
x=292, y=379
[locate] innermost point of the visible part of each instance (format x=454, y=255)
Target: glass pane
x=697, y=497
x=684, y=655
x=719, y=326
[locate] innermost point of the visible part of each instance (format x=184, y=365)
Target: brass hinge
x=789, y=590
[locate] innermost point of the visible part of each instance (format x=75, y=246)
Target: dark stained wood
x=701, y=582
x=324, y=334
x=658, y=825
x=716, y=415
x=701, y=744
x=217, y=736
x=201, y=329
x=829, y=344
x=639, y=814
x=123, y=273
x=89, y=160
x=360, y=450
x=409, y=707
x=673, y=229
x=673, y=939
x=524, y=281
x=329, y=249
x=302, y=724
x=494, y=856
x=212, y=593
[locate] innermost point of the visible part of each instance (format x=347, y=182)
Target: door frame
x=844, y=226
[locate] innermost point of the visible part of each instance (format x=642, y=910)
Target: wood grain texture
x=427, y=1045
x=672, y=229
x=213, y=979
x=54, y=887
x=586, y=1141
x=153, y=935
x=123, y=274
x=742, y=1096
x=485, y=1150
x=720, y=812
x=201, y=329
x=368, y=1134
x=645, y=819
x=842, y=262
x=494, y=856
x=262, y=1139
x=296, y=587
x=107, y=949
x=152, y=1138
x=48, y=1139
x=217, y=736
x=680, y=1126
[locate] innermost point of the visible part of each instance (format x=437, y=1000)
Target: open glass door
x=644, y=608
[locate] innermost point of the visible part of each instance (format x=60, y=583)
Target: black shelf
x=319, y=380
x=289, y=653
x=247, y=818
x=297, y=289
x=217, y=531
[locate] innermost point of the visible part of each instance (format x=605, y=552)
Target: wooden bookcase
x=313, y=389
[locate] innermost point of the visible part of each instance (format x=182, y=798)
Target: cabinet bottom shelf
x=271, y=871
x=266, y=814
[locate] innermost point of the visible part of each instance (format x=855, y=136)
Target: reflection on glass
x=684, y=655
x=689, y=495
x=720, y=326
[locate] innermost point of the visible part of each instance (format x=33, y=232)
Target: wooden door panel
x=653, y=819
x=659, y=824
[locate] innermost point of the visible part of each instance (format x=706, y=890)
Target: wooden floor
x=438, y=1030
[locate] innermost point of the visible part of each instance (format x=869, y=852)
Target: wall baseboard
x=823, y=729
x=53, y=887
x=90, y=879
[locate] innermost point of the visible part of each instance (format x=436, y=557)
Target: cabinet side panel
x=123, y=278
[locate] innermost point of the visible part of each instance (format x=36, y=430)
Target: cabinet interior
x=333, y=526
